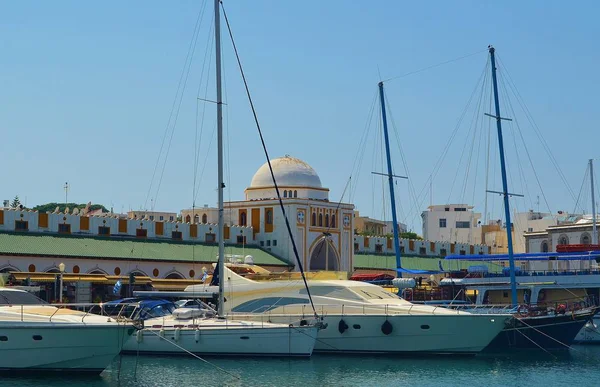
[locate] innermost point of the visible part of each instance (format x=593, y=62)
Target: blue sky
x=86, y=91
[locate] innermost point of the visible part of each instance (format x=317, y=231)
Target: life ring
x=523, y=311
x=542, y=295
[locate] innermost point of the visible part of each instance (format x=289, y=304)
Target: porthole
x=244, y=337
x=37, y=337
x=3, y=338
x=356, y=326
x=424, y=326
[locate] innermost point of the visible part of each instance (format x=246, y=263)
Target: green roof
x=388, y=262
x=134, y=249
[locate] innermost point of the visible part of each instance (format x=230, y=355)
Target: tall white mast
x=594, y=231
x=221, y=241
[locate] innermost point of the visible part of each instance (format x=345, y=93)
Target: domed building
x=322, y=229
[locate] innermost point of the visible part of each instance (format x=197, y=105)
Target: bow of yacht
x=41, y=337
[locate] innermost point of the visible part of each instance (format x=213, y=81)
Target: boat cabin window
x=333, y=292
x=19, y=298
x=371, y=293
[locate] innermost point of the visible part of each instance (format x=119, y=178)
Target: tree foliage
x=16, y=202
x=50, y=207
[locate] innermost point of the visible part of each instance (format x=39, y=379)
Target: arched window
x=196, y=219
x=320, y=220
x=563, y=240
x=333, y=220
x=204, y=218
x=313, y=221
x=544, y=246
x=295, y=193
x=243, y=219
x=285, y=194
x=269, y=216
x=188, y=219
x=585, y=239
x=326, y=220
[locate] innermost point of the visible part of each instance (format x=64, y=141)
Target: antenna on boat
x=221, y=258
x=390, y=175
x=505, y=193
x=594, y=231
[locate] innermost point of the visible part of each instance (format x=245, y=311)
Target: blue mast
x=511, y=260
x=390, y=176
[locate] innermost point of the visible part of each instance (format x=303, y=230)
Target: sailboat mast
x=390, y=178
x=221, y=258
x=594, y=231
x=511, y=260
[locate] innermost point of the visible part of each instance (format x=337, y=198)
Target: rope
x=536, y=344
x=434, y=66
x=262, y=140
x=193, y=354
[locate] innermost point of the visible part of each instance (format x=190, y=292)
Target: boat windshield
x=339, y=292
x=19, y=298
x=375, y=293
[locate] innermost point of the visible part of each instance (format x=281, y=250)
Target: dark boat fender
x=387, y=327
x=342, y=326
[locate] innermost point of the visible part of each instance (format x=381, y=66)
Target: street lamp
x=61, y=268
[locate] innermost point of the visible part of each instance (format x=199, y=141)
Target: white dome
x=289, y=172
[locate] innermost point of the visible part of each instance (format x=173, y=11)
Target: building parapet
x=17, y=220
x=385, y=245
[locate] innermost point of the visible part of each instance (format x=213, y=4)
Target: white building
x=577, y=231
x=456, y=223
x=322, y=230
x=528, y=222
x=158, y=216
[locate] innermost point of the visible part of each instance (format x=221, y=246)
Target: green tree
x=16, y=202
x=50, y=207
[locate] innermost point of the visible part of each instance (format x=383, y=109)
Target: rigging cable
x=178, y=95
x=537, y=130
x=264, y=146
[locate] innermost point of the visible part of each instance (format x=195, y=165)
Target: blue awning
x=574, y=256
x=415, y=271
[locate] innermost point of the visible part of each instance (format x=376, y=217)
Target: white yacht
x=191, y=330
x=35, y=336
x=359, y=317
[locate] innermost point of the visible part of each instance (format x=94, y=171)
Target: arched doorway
x=174, y=275
x=324, y=256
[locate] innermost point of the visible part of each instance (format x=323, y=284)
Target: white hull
x=590, y=333
x=438, y=334
x=56, y=347
x=222, y=338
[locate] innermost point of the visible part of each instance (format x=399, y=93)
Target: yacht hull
x=590, y=333
x=56, y=347
x=410, y=334
x=225, y=341
x=544, y=332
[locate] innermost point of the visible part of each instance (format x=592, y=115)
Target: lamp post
x=61, y=268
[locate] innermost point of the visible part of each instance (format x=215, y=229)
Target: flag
x=117, y=287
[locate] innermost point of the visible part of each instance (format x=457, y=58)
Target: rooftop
x=37, y=244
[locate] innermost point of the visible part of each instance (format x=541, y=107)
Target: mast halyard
x=390, y=176
x=221, y=258
x=511, y=260
x=594, y=230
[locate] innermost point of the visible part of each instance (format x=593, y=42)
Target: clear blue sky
x=86, y=90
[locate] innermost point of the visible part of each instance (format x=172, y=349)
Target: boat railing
x=305, y=312
x=533, y=273
x=30, y=311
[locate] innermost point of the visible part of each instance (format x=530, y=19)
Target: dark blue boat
x=548, y=332
x=136, y=308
